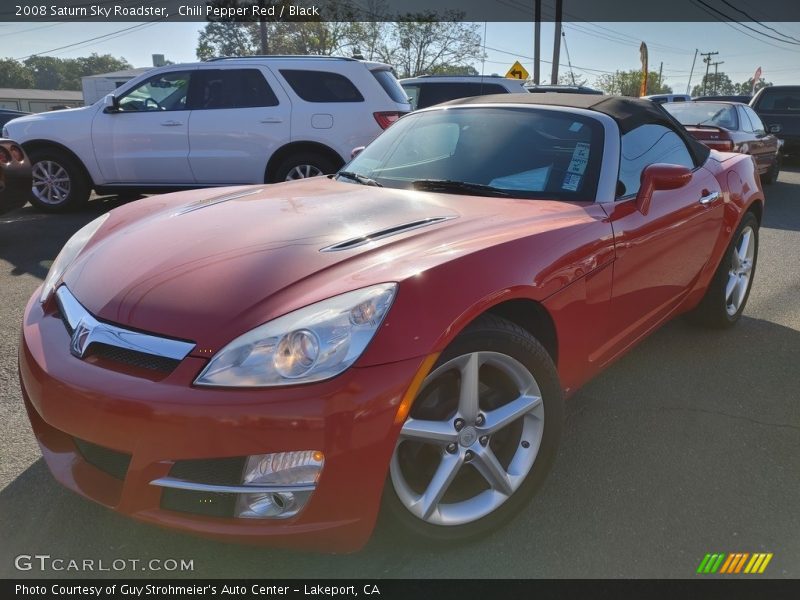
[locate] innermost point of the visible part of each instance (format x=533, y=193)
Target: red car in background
x=278, y=363
x=731, y=127
x=15, y=176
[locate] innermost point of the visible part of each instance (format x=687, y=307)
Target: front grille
x=133, y=358
x=109, y=461
x=216, y=471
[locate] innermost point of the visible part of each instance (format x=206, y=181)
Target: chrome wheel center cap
x=467, y=436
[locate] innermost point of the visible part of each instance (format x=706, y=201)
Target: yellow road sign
x=517, y=71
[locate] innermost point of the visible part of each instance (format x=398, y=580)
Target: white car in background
x=222, y=122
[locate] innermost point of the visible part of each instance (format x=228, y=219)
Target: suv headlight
x=68, y=254
x=310, y=344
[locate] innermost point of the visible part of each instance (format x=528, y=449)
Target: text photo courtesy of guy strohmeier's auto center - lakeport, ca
x=400, y=299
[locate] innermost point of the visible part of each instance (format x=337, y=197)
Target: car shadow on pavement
x=30, y=240
x=686, y=445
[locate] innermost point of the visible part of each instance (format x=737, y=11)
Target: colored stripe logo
x=734, y=563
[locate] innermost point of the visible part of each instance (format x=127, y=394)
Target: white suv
x=427, y=90
x=222, y=122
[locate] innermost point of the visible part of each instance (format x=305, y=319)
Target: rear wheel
x=302, y=166
x=729, y=290
x=481, y=435
x=59, y=181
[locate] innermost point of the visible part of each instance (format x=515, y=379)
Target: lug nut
x=451, y=448
x=526, y=444
x=484, y=440
x=480, y=420
x=469, y=455
x=459, y=423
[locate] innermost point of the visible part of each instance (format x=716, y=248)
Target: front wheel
x=729, y=290
x=481, y=435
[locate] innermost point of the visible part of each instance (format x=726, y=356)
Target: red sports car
x=279, y=363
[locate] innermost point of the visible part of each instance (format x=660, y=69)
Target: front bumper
x=158, y=422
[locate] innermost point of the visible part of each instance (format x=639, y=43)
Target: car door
x=240, y=117
x=659, y=255
x=766, y=143
x=146, y=139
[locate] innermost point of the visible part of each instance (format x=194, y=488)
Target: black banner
x=396, y=10
x=391, y=589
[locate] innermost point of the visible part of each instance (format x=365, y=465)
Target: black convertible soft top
x=629, y=113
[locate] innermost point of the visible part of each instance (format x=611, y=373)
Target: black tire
x=79, y=184
x=317, y=161
x=713, y=308
x=771, y=176
x=490, y=334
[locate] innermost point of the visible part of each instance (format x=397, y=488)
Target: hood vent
x=198, y=204
x=383, y=233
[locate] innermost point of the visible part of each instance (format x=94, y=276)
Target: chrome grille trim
x=182, y=484
x=86, y=330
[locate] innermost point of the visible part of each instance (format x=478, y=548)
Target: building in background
x=39, y=100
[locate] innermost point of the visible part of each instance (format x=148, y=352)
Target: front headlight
x=68, y=253
x=310, y=344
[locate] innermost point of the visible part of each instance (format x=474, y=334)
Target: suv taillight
x=385, y=119
x=5, y=156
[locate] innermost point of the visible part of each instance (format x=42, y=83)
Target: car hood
x=205, y=266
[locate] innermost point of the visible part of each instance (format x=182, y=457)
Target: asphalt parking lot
x=688, y=445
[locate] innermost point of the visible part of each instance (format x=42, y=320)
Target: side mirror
x=660, y=176
x=356, y=151
x=110, y=104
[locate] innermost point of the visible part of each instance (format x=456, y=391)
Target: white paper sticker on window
x=571, y=182
x=580, y=159
x=575, y=127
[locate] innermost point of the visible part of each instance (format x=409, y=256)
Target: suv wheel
x=300, y=166
x=59, y=182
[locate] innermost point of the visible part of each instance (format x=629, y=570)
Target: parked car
x=731, y=127
x=6, y=114
x=668, y=98
x=744, y=99
x=15, y=176
x=428, y=90
x=561, y=89
x=778, y=106
x=221, y=122
x=279, y=363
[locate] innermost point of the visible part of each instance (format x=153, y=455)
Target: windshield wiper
x=450, y=185
x=362, y=179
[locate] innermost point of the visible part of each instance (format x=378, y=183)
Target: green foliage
x=51, y=73
x=628, y=83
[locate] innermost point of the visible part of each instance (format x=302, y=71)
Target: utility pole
x=262, y=29
x=660, y=69
x=556, y=43
x=707, y=59
x=689, y=85
x=537, y=38
x=716, y=68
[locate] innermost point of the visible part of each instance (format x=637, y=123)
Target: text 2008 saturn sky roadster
x=281, y=363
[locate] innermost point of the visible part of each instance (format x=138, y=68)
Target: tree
x=715, y=84
x=13, y=74
x=746, y=87
x=571, y=78
x=51, y=73
x=628, y=83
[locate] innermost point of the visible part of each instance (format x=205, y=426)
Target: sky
x=593, y=48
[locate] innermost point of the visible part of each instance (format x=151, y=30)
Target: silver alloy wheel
x=51, y=182
x=303, y=171
x=465, y=439
x=740, y=271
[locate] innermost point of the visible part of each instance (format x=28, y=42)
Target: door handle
x=709, y=198
x=272, y=120
x=171, y=124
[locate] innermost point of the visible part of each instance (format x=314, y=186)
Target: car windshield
x=489, y=151
x=704, y=113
